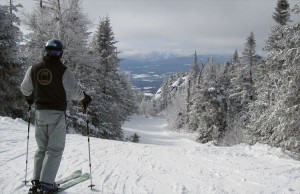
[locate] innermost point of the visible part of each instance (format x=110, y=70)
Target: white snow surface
x=164, y=162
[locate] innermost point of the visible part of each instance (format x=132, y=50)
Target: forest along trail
x=164, y=162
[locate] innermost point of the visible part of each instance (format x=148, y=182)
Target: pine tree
x=282, y=14
x=249, y=54
x=105, y=46
x=210, y=73
x=172, y=99
x=237, y=101
x=209, y=104
x=235, y=57
x=9, y=36
x=277, y=35
x=275, y=116
x=234, y=66
x=251, y=59
x=111, y=87
x=195, y=67
x=11, y=63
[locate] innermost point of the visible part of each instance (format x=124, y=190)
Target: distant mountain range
x=147, y=74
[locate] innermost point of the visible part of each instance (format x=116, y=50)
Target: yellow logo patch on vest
x=44, y=77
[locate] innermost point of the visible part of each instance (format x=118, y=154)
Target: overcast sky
x=182, y=26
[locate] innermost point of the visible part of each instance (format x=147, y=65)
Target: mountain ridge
x=147, y=74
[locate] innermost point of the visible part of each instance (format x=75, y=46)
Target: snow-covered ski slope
x=163, y=163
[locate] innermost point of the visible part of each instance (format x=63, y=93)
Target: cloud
x=182, y=26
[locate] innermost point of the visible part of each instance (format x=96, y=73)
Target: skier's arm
x=71, y=86
x=26, y=85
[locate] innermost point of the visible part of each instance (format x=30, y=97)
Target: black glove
x=86, y=101
x=30, y=99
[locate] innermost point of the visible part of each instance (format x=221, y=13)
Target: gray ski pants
x=50, y=135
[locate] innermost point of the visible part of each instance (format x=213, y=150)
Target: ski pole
x=29, y=120
x=88, y=133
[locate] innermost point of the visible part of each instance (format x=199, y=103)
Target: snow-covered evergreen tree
x=235, y=57
x=209, y=106
x=238, y=99
x=164, y=95
x=282, y=14
x=249, y=55
x=11, y=63
x=195, y=67
x=114, y=100
x=275, y=116
x=282, y=17
x=177, y=114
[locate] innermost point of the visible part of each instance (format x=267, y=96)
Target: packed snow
x=164, y=162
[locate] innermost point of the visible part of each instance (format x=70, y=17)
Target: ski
x=74, y=175
x=73, y=182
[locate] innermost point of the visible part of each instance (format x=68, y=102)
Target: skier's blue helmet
x=54, y=48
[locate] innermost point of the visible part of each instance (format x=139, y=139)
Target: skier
x=47, y=84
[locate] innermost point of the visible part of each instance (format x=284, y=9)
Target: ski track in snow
x=164, y=162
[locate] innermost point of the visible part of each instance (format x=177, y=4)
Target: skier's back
x=47, y=84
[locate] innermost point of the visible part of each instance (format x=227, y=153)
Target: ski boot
x=33, y=189
x=46, y=188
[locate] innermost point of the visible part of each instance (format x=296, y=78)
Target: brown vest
x=49, y=92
